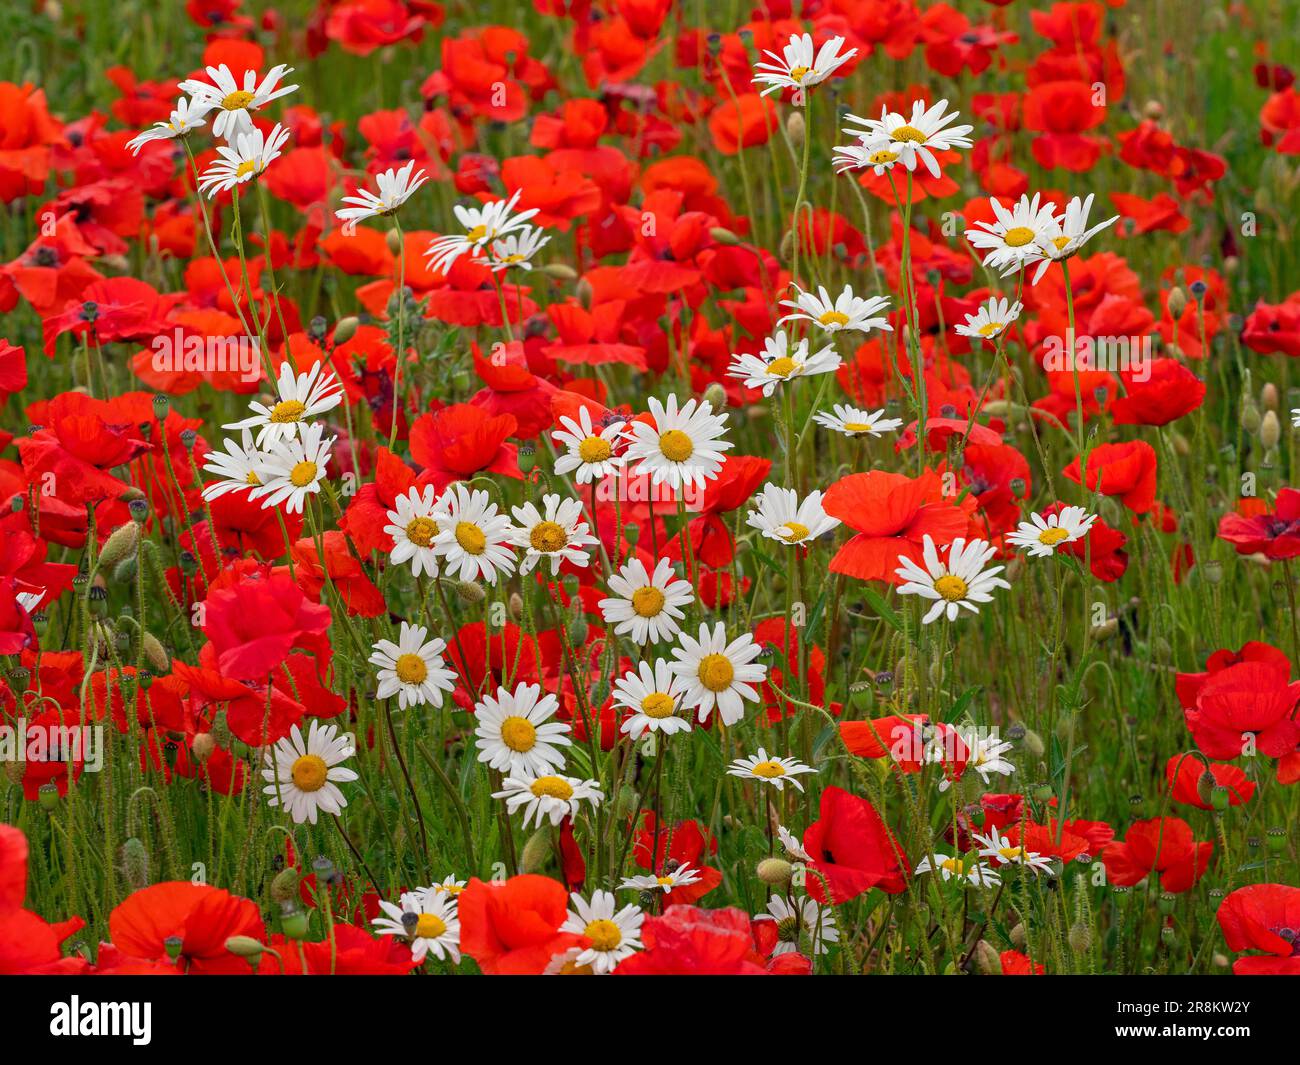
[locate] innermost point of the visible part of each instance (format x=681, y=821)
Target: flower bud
x=560, y=272
x=202, y=746
x=120, y=545
x=245, y=947
x=1080, y=937
x=775, y=872
x=724, y=236
x=715, y=396
x=1268, y=396
x=796, y=129
x=133, y=862
x=346, y=329
x=470, y=593
x=155, y=654
x=986, y=958
x=1177, y=302
x=536, y=852
x=284, y=888
x=1270, y=430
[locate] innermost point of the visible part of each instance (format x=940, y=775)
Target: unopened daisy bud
x=284, y=888
x=715, y=395
x=161, y=405
x=722, y=235
x=470, y=593
x=1177, y=302
x=536, y=852
x=560, y=272
x=202, y=746
x=1104, y=631
x=1080, y=937
x=796, y=129
x=1270, y=430
x=346, y=329
x=244, y=947
x=1268, y=396
x=121, y=544
x=986, y=958
x=775, y=872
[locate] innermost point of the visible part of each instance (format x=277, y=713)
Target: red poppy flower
x=512, y=927
x=1254, y=528
x=200, y=916
x=1163, y=845
x=1166, y=392
x=1127, y=471
x=255, y=624
x=462, y=440
x=342, y=570
x=1263, y=917
x=852, y=850
x=1185, y=776
x=1188, y=685
x=1014, y=963
x=684, y=843
x=687, y=941
x=1251, y=699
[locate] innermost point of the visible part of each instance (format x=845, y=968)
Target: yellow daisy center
x=552, y=787
x=1054, y=535
x=909, y=133
x=237, y=101
x=857, y=427
x=663, y=881
x=594, y=449
x=309, y=772
x=768, y=770
x=421, y=531
x=794, y=532
x=657, y=705
x=477, y=233
x=430, y=926
x=1011, y=854
x=287, y=410
x=604, y=935
x=991, y=329
x=471, y=538
x=252, y=478
x=716, y=672
x=782, y=367
x=410, y=669
x=548, y=536
x=798, y=73
x=1018, y=236
x=951, y=587
x=1060, y=242
x=676, y=446
x=882, y=157
x=647, y=601
x=834, y=318
x=955, y=866
x=519, y=734
x=248, y=166
x=302, y=474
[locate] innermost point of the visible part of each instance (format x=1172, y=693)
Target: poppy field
x=645, y=487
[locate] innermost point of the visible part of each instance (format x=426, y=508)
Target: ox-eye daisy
x=516, y=251
x=999, y=847
x=770, y=770
x=1043, y=535
x=671, y=880
x=549, y=796
x=412, y=668
x=483, y=226
x=853, y=421
x=473, y=539
x=683, y=447
x=515, y=733
x=859, y=157
x=251, y=155
x=299, y=396
x=718, y=673
x=427, y=918
x=646, y=606
x=1011, y=240
x=304, y=774
x=649, y=692
x=991, y=320
x=395, y=188
x=293, y=469
x=188, y=115
x=806, y=916
x=927, y=131
x=977, y=873
x=237, y=466
x=781, y=517
x=846, y=311
x=589, y=454
x=235, y=104
x=799, y=66
x=961, y=581
x=794, y=849
x=413, y=529
x=1064, y=236
x=780, y=362
x=556, y=532
x=612, y=935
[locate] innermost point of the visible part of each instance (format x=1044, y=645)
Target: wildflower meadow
x=643, y=487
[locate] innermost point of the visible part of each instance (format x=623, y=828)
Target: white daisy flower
x=587, y=453
x=1042, y=536
x=304, y=775
x=516, y=251
x=991, y=320
x=779, y=363
x=483, y=226
x=649, y=692
x=613, y=936
x=781, y=517
x=646, y=606
x=1295, y=417
x=926, y=132
x=549, y=796
x=515, y=733
x=188, y=115
x=293, y=469
x=300, y=396
x=859, y=157
x=976, y=873
x=997, y=846
x=1011, y=240
x=683, y=447
x=799, y=66
x=427, y=918
x=234, y=104
x=395, y=188
x=853, y=421
x=449, y=885
x=237, y=466
x=985, y=755
x=962, y=581
x=1065, y=236
x=556, y=533
x=793, y=847
x=473, y=539
x=846, y=311
x=251, y=155
x=682, y=876
x=412, y=526
x=804, y=916
x=719, y=674
x=412, y=668
x=770, y=770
